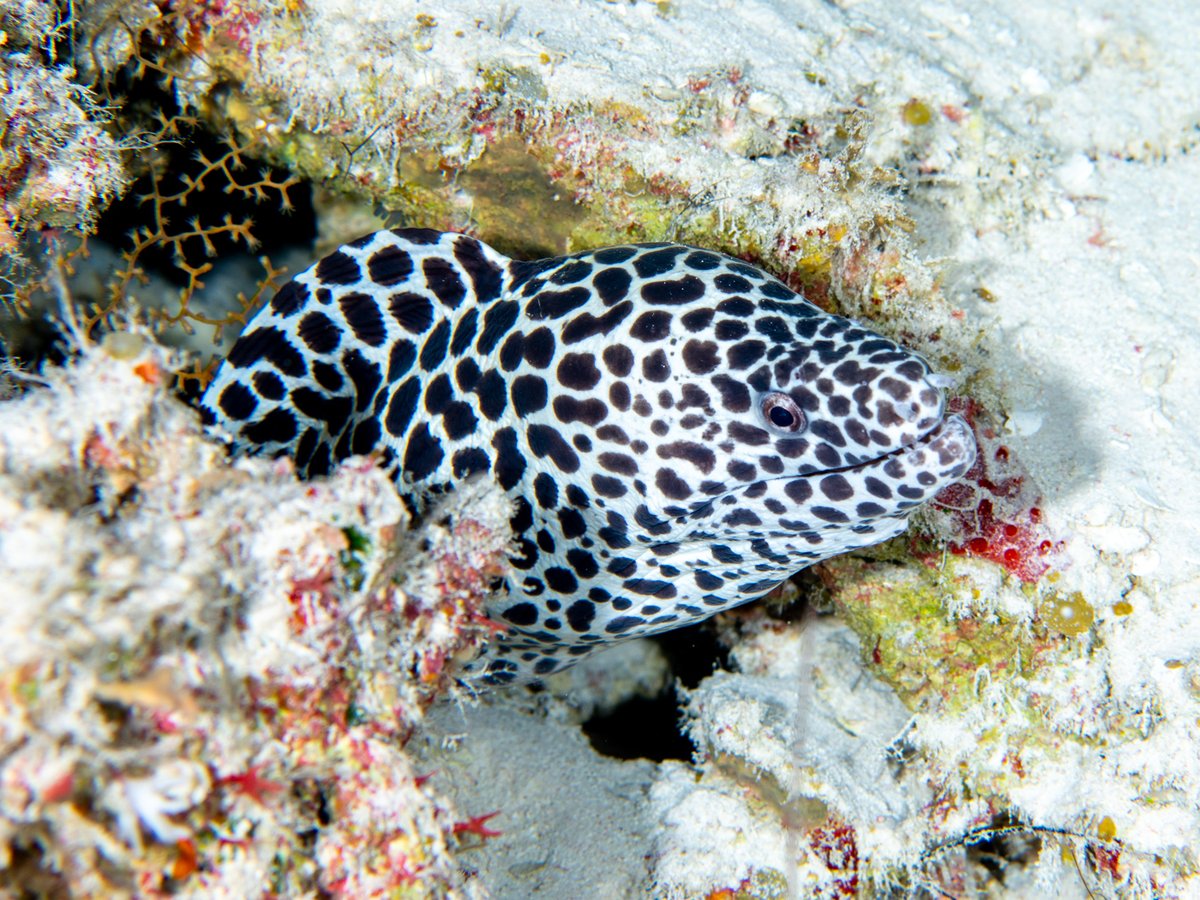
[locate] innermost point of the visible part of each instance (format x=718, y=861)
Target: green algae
x=517, y=207
x=932, y=660
x=763, y=884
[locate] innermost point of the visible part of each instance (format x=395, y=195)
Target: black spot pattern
x=590, y=412
x=412, y=312
x=611, y=285
x=618, y=396
x=443, y=279
x=578, y=371
x=237, y=401
x=486, y=277
x=699, y=259
x=651, y=326
x=655, y=366
x=538, y=347
x=556, y=304
x=618, y=359
x=545, y=442
x=612, y=255
x=510, y=461
x=731, y=284
x=657, y=262
x=319, y=332
x=400, y=359
x=529, y=394
x=269, y=344
x=697, y=319
x=366, y=436
x=433, y=352
x=363, y=316
x=572, y=272
x=744, y=354
x=290, y=299
x=464, y=332
x=497, y=322
x=466, y=374
x=271, y=387
x=679, y=292
x=701, y=357
x=402, y=406
x=700, y=456
x=332, y=409
x=276, y=427
x=586, y=325
x=364, y=375
x=459, y=420
x=338, y=268
x=492, y=391
x=422, y=453
x=389, y=266
x=469, y=461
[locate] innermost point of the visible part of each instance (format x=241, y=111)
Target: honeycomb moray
x=678, y=430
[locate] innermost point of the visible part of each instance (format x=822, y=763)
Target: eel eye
x=782, y=412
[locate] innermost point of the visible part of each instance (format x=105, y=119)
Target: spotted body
x=680, y=432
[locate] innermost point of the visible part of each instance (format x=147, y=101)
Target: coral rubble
x=209, y=668
x=59, y=165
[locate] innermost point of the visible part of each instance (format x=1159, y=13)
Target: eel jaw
x=946, y=452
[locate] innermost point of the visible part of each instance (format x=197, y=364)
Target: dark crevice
x=1009, y=848
x=275, y=228
x=651, y=728
x=693, y=652
x=641, y=728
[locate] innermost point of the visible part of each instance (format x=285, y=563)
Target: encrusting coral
x=208, y=670
x=59, y=166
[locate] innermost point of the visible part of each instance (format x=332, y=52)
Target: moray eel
x=679, y=431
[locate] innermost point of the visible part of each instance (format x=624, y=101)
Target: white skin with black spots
x=680, y=432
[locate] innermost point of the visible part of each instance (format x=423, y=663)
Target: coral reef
x=58, y=164
x=210, y=669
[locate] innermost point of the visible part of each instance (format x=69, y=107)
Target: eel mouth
x=951, y=443
x=947, y=450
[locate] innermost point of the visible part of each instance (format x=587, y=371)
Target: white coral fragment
x=173, y=787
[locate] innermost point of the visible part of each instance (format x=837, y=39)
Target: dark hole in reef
x=31, y=341
x=650, y=728
x=693, y=652
x=1005, y=849
x=31, y=873
x=275, y=228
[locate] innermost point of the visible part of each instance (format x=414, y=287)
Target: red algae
x=993, y=510
x=836, y=845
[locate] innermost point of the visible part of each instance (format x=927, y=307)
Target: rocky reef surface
x=216, y=678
